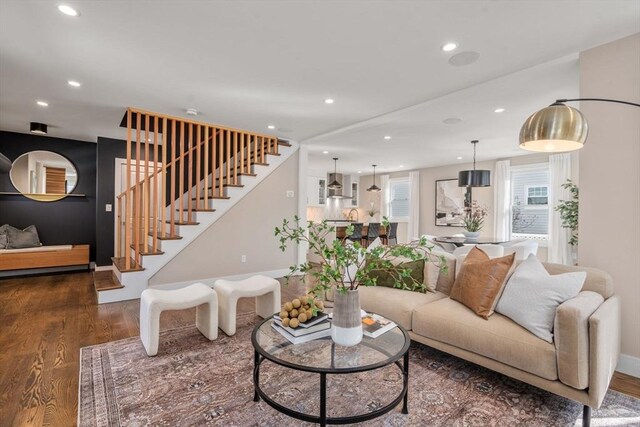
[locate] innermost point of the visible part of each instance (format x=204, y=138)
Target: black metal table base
x=322, y=419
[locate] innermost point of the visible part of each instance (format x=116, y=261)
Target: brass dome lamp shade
x=374, y=188
x=335, y=184
x=558, y=128
x=474, y=178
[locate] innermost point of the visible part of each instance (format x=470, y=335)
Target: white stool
x=154, y=301
x=265, y=289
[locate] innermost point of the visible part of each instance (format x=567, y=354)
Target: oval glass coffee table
x=323, y=357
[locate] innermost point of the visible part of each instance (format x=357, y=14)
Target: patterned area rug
x=194, y=382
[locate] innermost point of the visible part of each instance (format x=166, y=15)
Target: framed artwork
x=451, y=201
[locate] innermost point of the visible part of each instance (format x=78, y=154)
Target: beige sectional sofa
x=577, y=365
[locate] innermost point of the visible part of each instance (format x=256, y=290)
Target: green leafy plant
x=348, y=266
x=569, y=211
x=474, y=219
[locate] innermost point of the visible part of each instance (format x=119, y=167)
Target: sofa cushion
x=481, y=280
x=416, y=272
x=27, y=238
x=532, y=296
x=435, y=277
x=596, y=281
x=498, y=337
x=395, y=304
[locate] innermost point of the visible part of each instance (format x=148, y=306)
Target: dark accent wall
x=71, y=220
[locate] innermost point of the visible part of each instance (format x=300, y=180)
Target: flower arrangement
x=475, y=216
x=346, y=266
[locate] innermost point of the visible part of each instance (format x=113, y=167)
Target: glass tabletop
x=323, y=355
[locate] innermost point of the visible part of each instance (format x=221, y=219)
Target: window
x=529, y=201
x=399, y=199
x=537, y=195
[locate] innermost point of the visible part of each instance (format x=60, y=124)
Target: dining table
x=461, y=241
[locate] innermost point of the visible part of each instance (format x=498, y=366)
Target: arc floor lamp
x=558, y=127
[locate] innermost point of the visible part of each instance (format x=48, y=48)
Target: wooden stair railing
x=198, y=161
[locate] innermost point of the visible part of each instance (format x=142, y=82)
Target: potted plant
x=473, y=221
x=346, y=267
x=372, y=211
x=569, y=211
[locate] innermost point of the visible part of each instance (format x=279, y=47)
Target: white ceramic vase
x=471, y=234
x=346, y=328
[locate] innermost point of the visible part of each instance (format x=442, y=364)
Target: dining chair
x=356, y=236
x=373, y=232
x=392, y=233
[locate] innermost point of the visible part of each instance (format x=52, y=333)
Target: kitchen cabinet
x=316, y=191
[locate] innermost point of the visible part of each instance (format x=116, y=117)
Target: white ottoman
x=265, y=289
x=154, y=301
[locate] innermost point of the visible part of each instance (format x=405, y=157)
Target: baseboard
x=629, y=365
x=210, y=281
x=104, y=267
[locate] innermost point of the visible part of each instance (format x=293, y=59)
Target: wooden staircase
x=197, y=165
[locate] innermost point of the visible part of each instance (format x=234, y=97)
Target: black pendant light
x=335, y=185
x=374, y=188
x=38, y=128
x=474, y=178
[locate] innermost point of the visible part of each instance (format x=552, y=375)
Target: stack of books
x=374, y=325
x=319, y=327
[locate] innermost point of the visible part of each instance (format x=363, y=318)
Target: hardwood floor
x=45, y=320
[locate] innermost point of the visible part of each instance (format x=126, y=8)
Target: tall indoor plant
x=569, y=211
x=346, y=267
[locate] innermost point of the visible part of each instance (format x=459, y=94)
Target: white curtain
x=502, y=200
x=386, y=195
x=559, y=172
x=413, y=228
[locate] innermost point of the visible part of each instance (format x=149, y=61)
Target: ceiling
x=249, y=64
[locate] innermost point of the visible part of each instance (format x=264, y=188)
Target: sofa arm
x=604, y=348
x=571, y=338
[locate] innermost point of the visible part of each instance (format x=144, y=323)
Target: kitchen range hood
x=339, y=193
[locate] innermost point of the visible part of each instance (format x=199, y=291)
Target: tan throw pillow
x=481, y=281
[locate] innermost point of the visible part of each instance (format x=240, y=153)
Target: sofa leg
x=586, y=416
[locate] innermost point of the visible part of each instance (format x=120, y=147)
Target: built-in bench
x=43, y=257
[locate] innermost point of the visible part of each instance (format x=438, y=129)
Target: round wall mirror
x=43, y=175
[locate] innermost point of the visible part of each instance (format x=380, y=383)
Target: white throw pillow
x=532, y=296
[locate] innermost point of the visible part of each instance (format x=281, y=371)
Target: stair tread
x=200, y=209
x=149, y=250
x=213, y=197
x=183, y=222
x=247, y=174
x=284, y=143
x=120, y=264
x=105, y=281
x=168, y=237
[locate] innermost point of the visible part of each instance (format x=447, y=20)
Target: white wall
x=247, y=229
x=610, y=178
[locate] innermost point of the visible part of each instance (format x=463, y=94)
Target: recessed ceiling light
x=401, y=166
x=449, y=47
x=68, y=10
x=359, y=171
x=387, y=137
x=459, y=157
x=498, y=110
x=192, y=111
x=271, y=127
x=329, y=101
x=73, y=83
x=325, y=152
x=42, y=103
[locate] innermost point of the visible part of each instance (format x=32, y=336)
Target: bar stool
x=392, y=233
x=356, y=236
